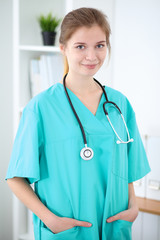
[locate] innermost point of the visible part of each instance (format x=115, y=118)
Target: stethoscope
x=87, y=153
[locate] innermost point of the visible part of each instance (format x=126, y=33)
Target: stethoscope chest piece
x=86, y=153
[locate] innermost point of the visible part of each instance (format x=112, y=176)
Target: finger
x=114, y=218
x=82, y=223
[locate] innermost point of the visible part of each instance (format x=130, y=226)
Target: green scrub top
x=46, y=152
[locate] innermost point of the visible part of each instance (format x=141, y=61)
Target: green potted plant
x=48, y=26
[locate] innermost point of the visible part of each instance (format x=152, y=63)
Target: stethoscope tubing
x=105, y=111
x=80, y=124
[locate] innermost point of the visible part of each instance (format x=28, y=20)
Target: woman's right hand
x=25, y=193
x=60, y=224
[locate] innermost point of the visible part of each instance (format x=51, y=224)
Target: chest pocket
x=119, y=154
x=120, y=161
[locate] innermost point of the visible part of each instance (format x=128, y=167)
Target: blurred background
x=134, y=69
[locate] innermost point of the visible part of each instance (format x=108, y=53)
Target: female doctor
x=79, y=144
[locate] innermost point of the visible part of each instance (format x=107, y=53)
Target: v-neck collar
x=92, y=124
x=78, y=99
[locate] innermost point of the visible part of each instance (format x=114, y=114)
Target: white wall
x=136, y=54
x=5, y=116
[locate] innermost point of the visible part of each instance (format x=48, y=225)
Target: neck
x=80, y=84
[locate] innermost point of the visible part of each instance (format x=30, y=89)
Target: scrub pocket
x=120, y=161
x=69, y=234
x=122, y=230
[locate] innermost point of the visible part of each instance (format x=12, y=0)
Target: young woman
x=75, y=146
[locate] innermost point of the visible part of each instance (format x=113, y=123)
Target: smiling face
x=85, y=50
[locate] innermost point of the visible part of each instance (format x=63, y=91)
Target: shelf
x=39, y=48
x=148, y=205
x=27, y=45
x=26, y=237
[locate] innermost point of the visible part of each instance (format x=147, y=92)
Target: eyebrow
x=85, y=43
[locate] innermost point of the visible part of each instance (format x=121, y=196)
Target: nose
x=91, y=55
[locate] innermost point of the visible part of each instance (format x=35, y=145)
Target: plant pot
x=49, y=38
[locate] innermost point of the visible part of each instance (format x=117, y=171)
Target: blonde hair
x=79, y=18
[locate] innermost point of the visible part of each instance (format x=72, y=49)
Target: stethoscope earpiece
x=130, y=140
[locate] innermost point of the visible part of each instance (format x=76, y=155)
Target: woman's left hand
x=127, y=215
x=132, y=212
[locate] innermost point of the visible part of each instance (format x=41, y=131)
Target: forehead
x=84, y=34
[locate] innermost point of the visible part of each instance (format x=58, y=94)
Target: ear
x=62, y=48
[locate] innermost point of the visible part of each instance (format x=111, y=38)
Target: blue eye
x=100, y=45
x=80, y=47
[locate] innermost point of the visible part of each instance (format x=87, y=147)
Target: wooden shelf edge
x=148, y=205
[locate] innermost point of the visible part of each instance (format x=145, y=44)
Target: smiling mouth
x=90, y=66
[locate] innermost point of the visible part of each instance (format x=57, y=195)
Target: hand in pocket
x=61, y=224
x=127, y=215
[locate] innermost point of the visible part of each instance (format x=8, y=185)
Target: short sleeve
x=27, y=147
x=138, y=165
